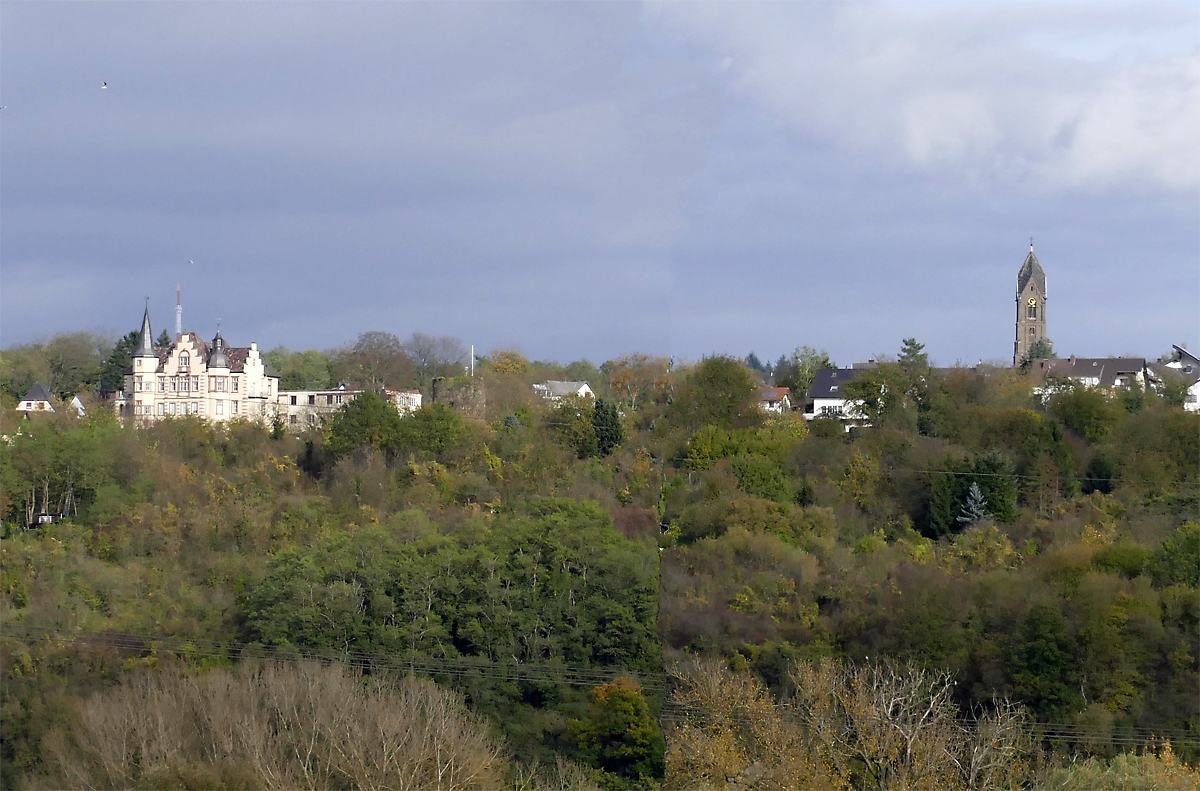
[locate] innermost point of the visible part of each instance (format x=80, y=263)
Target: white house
x=827, y=399
x=1186, y=365
x=38, y=399
x=556, y=391
x=775, y=400
x=191, y=377
x=302, y=408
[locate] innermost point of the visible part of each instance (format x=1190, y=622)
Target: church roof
x=1031, y=270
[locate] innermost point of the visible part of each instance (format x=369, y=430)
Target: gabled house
x=827, y=399
x=556, y=391
x=1183, y=364
x=1089, y=371
x=38, y=399
x=775, y=400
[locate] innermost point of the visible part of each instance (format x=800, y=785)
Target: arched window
x=184, y=360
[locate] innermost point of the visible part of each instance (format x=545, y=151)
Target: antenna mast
x=178, y=310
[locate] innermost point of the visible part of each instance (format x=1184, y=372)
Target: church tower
x=1031, y=306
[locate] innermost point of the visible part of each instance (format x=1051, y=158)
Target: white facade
x=36, y=400
x=300, y=409
x=183, y=380
x=556, y=391
x=775, y=400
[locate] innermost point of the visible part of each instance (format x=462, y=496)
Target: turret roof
x=145, y=343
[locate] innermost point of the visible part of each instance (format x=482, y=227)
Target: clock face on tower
x=1032, y=301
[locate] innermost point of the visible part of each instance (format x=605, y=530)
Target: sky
x=580, y=180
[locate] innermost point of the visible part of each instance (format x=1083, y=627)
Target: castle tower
x=1031, y=306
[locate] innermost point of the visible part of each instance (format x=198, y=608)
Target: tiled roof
x=38, y=393
x=559, y=389
x=773, y=393
x=829, y=381
x=1103, y=369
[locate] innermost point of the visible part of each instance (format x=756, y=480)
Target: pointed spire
x=145, y=344
x=1031, y=270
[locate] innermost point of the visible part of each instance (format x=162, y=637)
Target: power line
x=534, y=672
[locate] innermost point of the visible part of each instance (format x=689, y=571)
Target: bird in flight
x=104, y=86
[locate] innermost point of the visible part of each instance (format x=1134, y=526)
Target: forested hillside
x=572, y=575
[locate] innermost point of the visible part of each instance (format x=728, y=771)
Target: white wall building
x=38, y=399
x=191, y=377
x=300, y=409
x=556, y=391
x=827, y=398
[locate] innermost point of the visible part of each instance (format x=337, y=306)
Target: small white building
x=300, y=409
x=556, y=391
x=38, y=399
x=1183, y=364
x=827, y=398
x=775, y=400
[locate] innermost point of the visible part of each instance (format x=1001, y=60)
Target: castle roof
x=145, y=342
x=1031, y=270
x=235, y=356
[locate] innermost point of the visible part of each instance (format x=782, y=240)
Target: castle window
x=162, y=384
x=292, y=419
x=293, y=400
x=162, y=409
x=312, y=400
x=195, y=384
x=233, y=407
x=184, y=360
x=329, y=400
x=235, y=384
x=195, y=408
x=139, y=384
x=171, y=409
x=220, y=407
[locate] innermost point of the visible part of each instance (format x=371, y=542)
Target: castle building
x=1031, y=306
x=191, y=377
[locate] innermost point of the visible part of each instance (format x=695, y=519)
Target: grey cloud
x=586, y=180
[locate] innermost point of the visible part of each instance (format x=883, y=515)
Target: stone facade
x=1031, y=306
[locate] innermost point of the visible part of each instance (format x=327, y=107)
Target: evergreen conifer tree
x=975, y=508
x=607, y=425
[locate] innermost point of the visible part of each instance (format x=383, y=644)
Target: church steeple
x=1031, y=270
x=145, y=344
x=1031, y=306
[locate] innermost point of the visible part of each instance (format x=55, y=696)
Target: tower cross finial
x=1031, y=244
